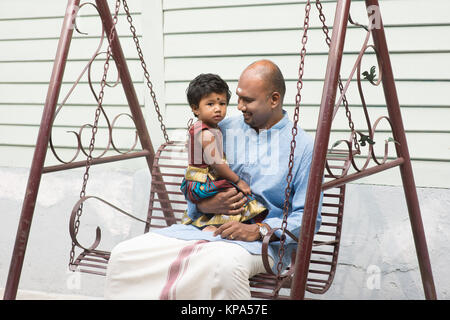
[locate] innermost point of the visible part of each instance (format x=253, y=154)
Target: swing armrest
x=74, y=221
x=265, y=248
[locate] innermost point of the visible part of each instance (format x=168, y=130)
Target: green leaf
x=370, y=76
x=390, y=139
x=336, y=144
x=365, y=139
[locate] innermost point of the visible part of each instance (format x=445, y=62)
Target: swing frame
x=315, y=186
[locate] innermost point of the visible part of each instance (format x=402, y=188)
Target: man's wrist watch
x=262, y=230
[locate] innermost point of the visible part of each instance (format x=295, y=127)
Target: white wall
x=184, y=38
x=225, y=36
x=29, y=32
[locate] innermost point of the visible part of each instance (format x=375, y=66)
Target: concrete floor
x=38, y=295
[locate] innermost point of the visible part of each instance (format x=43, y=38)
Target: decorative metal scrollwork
x=358, y=138
x=87, y=70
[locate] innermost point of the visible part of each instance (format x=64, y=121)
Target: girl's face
x=212, y=108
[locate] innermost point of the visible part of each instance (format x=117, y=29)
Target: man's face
x=254, y=100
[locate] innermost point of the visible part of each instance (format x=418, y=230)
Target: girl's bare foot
x=209, y=228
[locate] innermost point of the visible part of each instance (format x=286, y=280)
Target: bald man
x=184, y=262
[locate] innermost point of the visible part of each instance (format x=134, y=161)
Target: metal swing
x=316, y=259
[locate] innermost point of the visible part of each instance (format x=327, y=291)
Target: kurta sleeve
x=297, y=200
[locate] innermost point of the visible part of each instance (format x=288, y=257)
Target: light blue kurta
x=262, y=161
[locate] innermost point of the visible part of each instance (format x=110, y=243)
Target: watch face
x=263, y=230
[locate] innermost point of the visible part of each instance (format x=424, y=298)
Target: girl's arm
x=214, y=158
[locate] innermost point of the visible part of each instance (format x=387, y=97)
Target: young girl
x=208, y=173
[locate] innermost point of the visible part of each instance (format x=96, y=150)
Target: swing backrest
x=169, y=166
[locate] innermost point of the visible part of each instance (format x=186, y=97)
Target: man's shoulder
x=304, y=145
x=231, y=122
x=303, y=139
x=308, y=140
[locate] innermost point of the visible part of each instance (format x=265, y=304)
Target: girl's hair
x=203, y=85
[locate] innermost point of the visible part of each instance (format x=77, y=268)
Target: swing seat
x=169, y=165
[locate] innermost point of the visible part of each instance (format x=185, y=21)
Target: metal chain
x=94, y=129
x=298, y=99
x=341, y=86
x=296, y=118
x=144, y=67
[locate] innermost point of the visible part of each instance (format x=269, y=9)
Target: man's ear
x=275, y=99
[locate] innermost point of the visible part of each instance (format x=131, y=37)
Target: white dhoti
x=153, y=266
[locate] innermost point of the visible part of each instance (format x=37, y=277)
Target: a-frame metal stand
x=317, y=169
x=321, y=146
x=37, y=166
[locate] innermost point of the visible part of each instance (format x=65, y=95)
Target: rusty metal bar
x=364, y=173
x=34, y=179
x=130, y=93
x=78, y=164
x=320, y=150
x=409, y=185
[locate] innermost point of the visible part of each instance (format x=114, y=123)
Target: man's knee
x=140, y=243
x=117, y=254
x=231, y=274
x=231, y=267
x=125, y=248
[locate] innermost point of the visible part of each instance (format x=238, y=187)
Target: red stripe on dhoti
x=176, y=269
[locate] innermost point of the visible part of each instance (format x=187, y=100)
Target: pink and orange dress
x=200, y=182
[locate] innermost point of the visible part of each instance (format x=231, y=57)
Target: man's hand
x=234, y=230
x=228, y=202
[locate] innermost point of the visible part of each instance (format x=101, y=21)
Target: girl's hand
x=243, y=186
